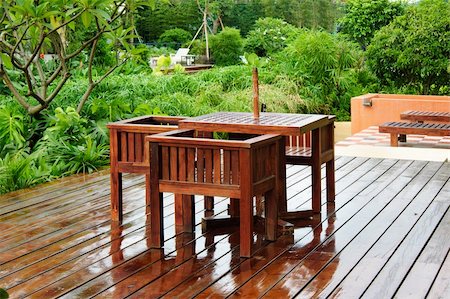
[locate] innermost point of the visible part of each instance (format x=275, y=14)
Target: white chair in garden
x=182, y=56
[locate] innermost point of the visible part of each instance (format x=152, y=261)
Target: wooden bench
x=398, y=128
x=425, y=116
x=183, y=163
x=128, y=153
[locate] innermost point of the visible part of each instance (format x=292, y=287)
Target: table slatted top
x=243, y=122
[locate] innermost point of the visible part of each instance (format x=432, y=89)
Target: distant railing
x=172, y=45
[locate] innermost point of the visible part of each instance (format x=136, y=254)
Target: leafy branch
x=30, y=28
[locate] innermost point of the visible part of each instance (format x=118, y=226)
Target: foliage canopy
x=226, y=47
x=269, y=36
x=31, y=28
x=414, y=50
x=364, y=17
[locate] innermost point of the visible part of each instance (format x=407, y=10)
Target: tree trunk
x=85, y=97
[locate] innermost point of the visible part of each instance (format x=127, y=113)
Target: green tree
x=316, y=14
x=30, y=28
x=184, y=14
x=313, y=14
x=243, y=15
x=414, y=50
x=226, y=46
x=269, y=36
x=364, y=17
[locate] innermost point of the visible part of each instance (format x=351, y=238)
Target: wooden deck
x=387, y=235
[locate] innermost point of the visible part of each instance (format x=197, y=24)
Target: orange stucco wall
x=387, y=107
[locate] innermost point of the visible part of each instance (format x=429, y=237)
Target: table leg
x=282, y=198
x=271, y=208
x=331, y=184
x=116, y=196
x=316, y=171
x=209, y=206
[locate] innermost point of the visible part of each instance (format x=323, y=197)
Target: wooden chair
x=183, y=163
x=128, y=153
x=298, y=152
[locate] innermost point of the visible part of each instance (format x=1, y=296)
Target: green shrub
x=21, y=170
x=325, y=67
x=269, y=36
x=85, y=157
x=231, y=78
x=175, y=36
x=198, y=47
x=226, y=47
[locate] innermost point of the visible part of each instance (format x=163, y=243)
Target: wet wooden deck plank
x=107, y=275
x=221, y=286
x=49, y=206
x=23, y=198
x=98, y=283
x=78, y=260
x=422, y=274
x=66, y=262
x=377, y=256
x=441, y=284
x=386, y=230
x=301, y=269
x=345, y=260
x=41, y=237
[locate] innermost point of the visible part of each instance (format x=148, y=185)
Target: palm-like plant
x=84, y=158
x=21, y=170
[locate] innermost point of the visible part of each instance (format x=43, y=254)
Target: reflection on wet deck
x=386, y=234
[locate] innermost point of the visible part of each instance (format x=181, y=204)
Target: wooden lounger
x=425, y=116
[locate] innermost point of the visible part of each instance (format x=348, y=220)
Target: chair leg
x=116, y=196
x=184, y=213
x=156, y=220
x=233, y=209
x=331, y=183
x=147, y=194
x=281, y=178
x=246, y=226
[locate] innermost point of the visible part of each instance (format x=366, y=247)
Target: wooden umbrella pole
x=255, y=93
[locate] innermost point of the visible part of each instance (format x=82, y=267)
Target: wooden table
x=274, y=123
